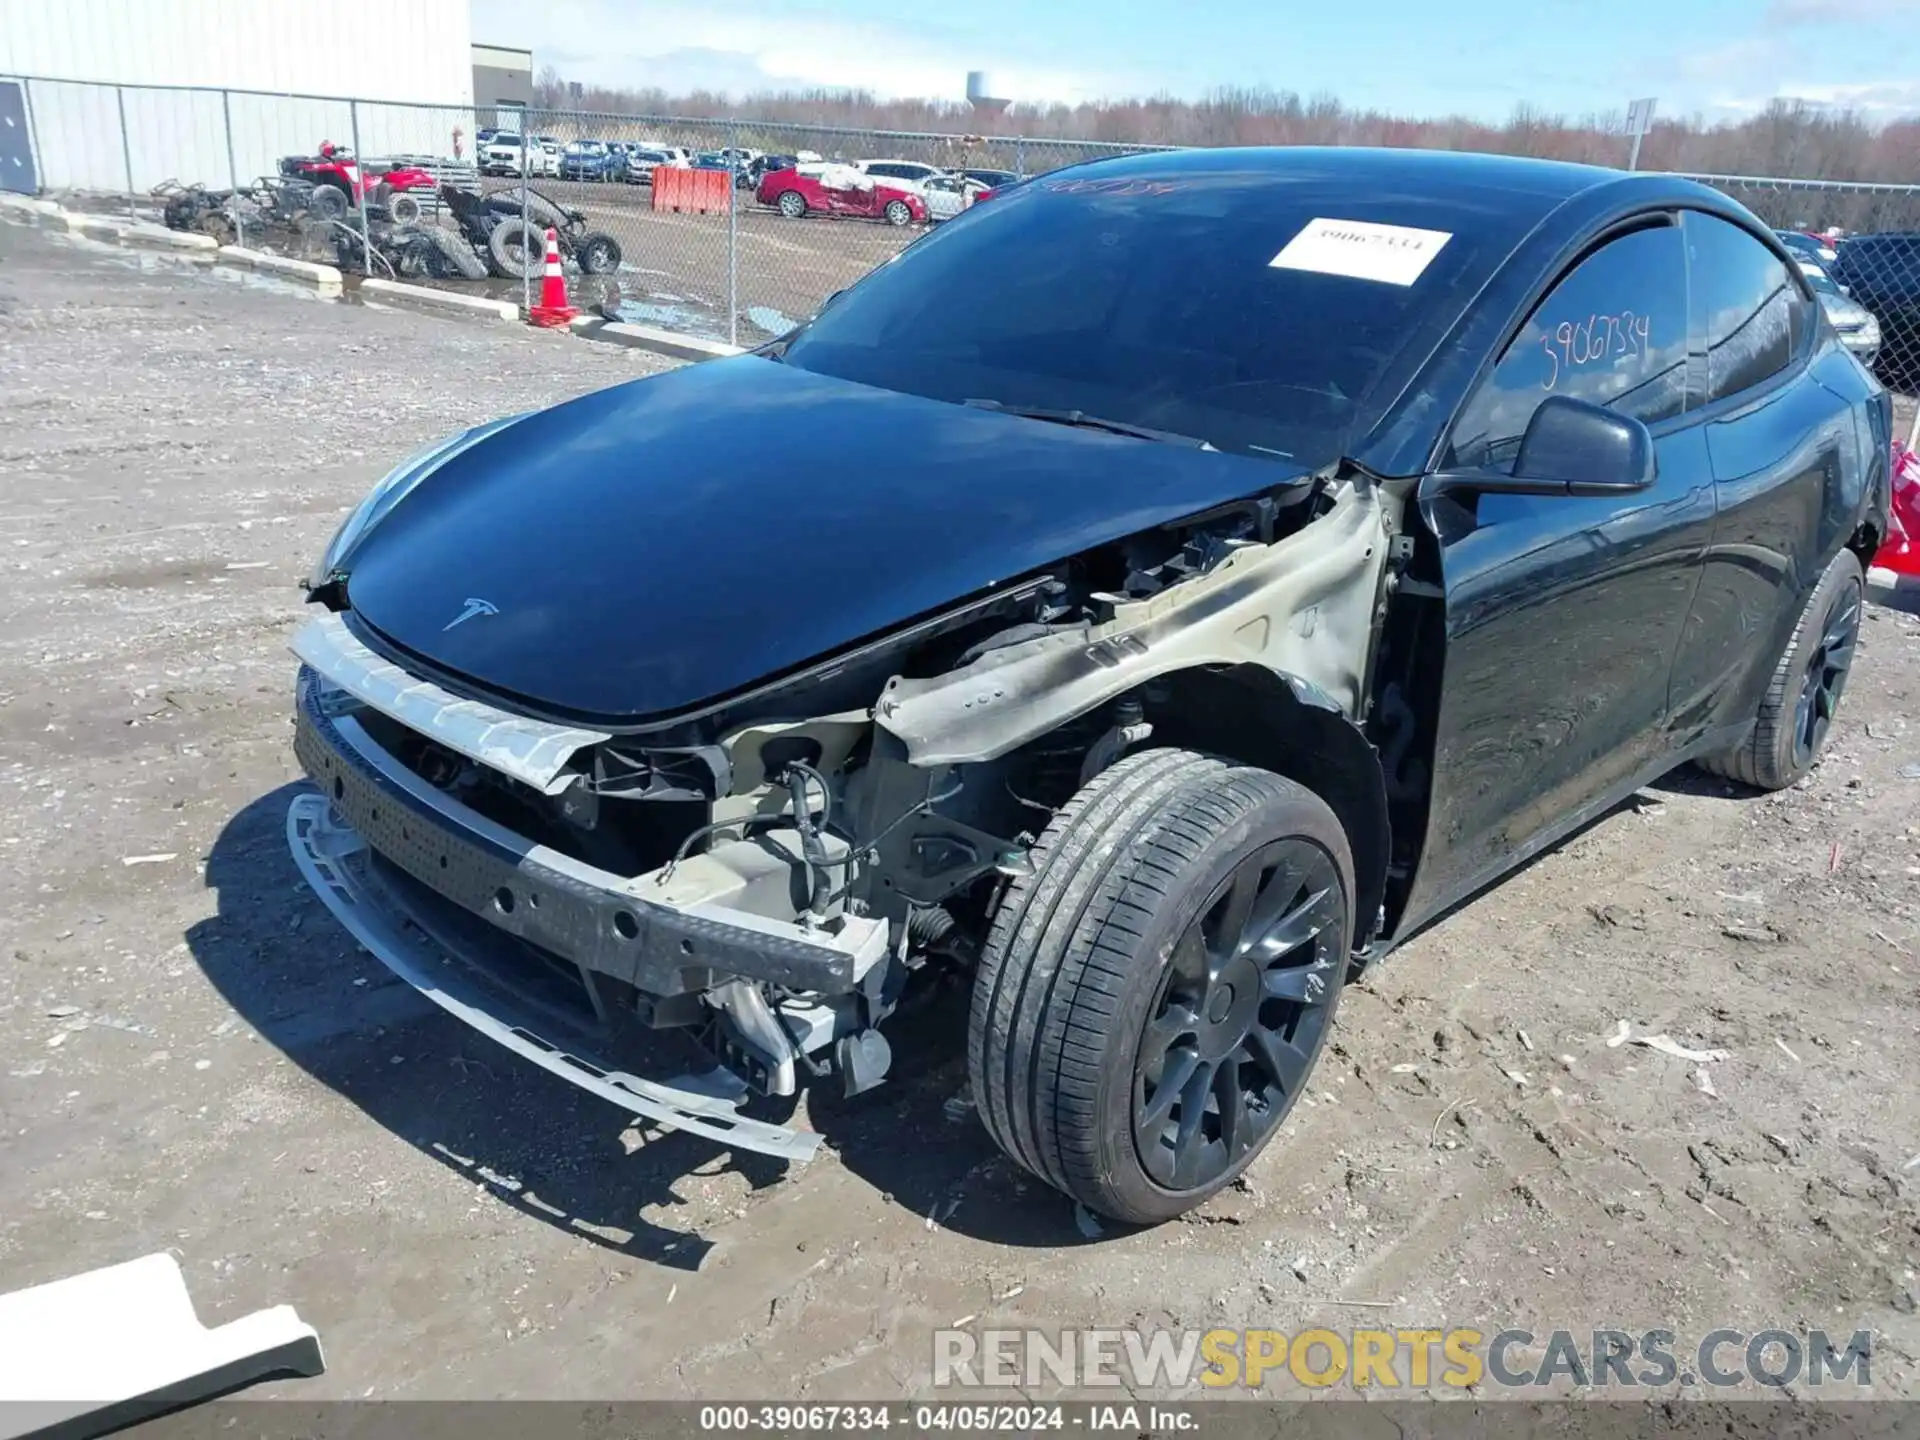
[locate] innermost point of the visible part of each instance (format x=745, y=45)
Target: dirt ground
x=194, y=1058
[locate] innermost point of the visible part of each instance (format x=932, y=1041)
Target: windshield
x=1158, y=302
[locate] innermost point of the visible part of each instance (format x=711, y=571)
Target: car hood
x=643, y=549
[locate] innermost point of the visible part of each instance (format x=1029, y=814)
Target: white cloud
x=1827, y=12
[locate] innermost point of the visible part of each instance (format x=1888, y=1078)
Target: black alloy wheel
x=1240, y=1016
x=1151, y=998
x=1828, y=663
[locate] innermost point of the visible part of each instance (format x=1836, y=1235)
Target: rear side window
x=1613, y=332
x=1746, y=305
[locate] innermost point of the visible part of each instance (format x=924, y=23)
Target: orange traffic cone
x=553, y=308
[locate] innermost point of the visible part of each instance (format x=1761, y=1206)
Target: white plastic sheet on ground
x=112, y=1346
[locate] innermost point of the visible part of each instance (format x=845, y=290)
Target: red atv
x=339, y=182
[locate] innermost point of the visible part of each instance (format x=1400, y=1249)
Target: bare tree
x=1790, y=138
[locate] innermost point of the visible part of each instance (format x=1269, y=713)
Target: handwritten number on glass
x=1574, y=344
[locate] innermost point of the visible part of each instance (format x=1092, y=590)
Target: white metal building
x=414, y=56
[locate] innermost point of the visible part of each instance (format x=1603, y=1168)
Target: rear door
x=1777, y=439
x=1563, y=613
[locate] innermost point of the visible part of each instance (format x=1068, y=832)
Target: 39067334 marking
x=1573, y=343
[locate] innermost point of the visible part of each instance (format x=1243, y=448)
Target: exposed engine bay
x=872, y=806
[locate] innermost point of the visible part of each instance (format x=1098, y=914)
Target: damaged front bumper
x=476, y=917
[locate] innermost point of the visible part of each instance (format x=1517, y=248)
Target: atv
x=339, y=181
x=408, y=251
x=514, y=246
x=197, y=209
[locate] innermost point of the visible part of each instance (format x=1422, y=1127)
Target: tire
x=792, y=204
x=1109, y=932
x=452, y=255
x=597, y=252
x=327, y=202
x=1803, y=694
x=517, y=250
x=404, y=208
x=898, y=212
x=541, y=211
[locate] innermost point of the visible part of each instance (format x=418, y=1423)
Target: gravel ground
x=193, y=1057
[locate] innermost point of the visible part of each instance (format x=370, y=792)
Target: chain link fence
x=1859, y=245
x=443, y=195
x=742, y=251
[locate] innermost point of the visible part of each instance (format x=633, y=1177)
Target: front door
x=1563, y=614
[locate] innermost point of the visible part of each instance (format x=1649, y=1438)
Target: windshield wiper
x=1079, y=419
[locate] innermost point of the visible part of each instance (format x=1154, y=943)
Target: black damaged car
x=1150, y=598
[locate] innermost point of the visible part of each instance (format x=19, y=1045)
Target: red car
x=795, y=193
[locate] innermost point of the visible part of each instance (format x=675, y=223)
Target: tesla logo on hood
x=474, y=608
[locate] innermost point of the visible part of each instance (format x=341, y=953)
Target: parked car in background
x=948, y=195
x=591, y=160
x=1851, y=320
x=992, y=179
x=901, y=174
x=840, y=190
x=502, y=156
x=1803, y=243
x=762, y=166
x=1882, y=273
x=643, y=161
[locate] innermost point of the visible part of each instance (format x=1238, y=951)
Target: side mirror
x=1571, y=447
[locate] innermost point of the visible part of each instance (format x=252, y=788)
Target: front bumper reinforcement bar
x=325, y=848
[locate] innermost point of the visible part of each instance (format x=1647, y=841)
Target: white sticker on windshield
x=1392, y=254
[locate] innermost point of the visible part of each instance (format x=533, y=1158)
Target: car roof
x=1519, y=184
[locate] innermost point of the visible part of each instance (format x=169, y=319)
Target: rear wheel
x=517, y=250
x=450, y=255
x=793, y=204
x=1804, y=693
x=898, y=212
x=327, y=202
x=597, y=252
x=404, y=208
x=1152, y=997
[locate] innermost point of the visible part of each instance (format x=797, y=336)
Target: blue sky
x=1717, y=58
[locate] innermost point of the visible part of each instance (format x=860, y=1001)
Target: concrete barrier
x=395, y=292
x=27, y=206
x=95, y=227
x=158, y=237
x=661, y=342
x=324, y=278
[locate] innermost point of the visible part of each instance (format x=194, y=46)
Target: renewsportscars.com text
x=1411, y=1358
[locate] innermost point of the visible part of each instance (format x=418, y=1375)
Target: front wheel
x=898, y=212
x=1153, y=995
x=793, y=204
x=1804, y=692
x=598, y=253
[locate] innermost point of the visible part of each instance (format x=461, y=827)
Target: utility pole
x=1639, y=121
